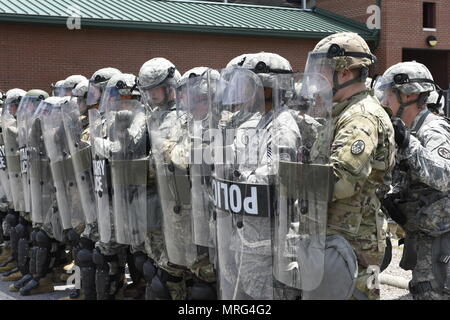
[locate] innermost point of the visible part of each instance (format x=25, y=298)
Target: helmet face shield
x=319, y=63
x=94, y=94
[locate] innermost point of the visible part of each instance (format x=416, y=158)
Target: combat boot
x=34, y=287
x=8, y=265
x=15, y=287
x=5, y=255
x=135, y=290
x=16, y=276
x=74, y=296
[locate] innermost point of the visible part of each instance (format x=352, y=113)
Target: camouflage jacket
x=423, y=179
x=362, y=156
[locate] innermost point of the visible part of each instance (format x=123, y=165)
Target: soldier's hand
x=123, y=119
x=401, y=133
x=392, y=209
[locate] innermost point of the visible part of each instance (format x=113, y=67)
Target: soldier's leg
x=135, y=260
x=87, y=268
x=32, y=263
x=369, y=262
x=431, y=271
x=22, y=230
x=73, y=240
x=110, y=269
x=10, y=262
x=42, y=261
x=204, y=279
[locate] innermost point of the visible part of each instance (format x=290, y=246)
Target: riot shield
x=304, y=181
x=10, y=137
x=67, y=194
x=129, y=168
x=80, y=152
x=197, y=97
x=27, y=107
x=171, y=150
x=40, y=176
x=4, y=177
x=242, y=186
x=100, y=144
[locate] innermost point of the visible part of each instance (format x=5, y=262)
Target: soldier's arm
x=351, y=153
x=431, y=161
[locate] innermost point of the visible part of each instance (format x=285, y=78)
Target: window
x=429, y=15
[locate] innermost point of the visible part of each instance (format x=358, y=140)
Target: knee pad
x=148, y=270
x=86, y=243
x=33, y=236
x=12, y=219
x=22, y=231
x=42, y=261
x=85, y=258
x=139, y=260
x=73, y=237
x=33, y=261
x=42, y=240
x=99, y=259
x=23, y=256
x=202, y=291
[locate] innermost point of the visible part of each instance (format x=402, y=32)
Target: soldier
x=362, y=156
x=57, y=89
x=420, y=200
x=90, y=236
x=27, y=107
x=46, y=251
x=195, y=91
x=10, y=137
x=255, y=124
x=157, y=82
x=110, y=252
x=70, y=84
x=4, y=181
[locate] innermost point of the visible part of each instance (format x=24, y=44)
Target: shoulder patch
x=358, y=147
x=444, y=153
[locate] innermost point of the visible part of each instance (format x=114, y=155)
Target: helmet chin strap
x=403, y=105
x=336, y=86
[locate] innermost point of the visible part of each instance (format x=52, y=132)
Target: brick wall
x=34, y=56
x=354, y=9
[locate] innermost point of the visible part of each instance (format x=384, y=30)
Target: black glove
x=392, y=210
x=401, y=133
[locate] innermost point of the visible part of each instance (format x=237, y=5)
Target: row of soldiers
x=252, y=182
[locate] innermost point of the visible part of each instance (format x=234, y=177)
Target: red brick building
x=38, y=48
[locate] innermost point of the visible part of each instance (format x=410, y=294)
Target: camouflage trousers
x=91, y=232
x=202, y=268
x=113, y=248
x=423, y=271
x=369, y=260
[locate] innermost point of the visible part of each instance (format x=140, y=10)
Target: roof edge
x=138, y=25
x=374, y=33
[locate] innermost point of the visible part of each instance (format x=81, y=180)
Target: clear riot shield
x=100, y=144
x=304, y=181
x=129, y=170
x=40, y=176
x=4, y=177
x=67, y=194
x=27, y=107
x=242, y=186
x=197, y=97
x=80, y=151
x=171, y=150
x=10, y=137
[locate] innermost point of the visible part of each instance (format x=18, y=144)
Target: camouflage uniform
x=426, y=202
x=362, y=156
